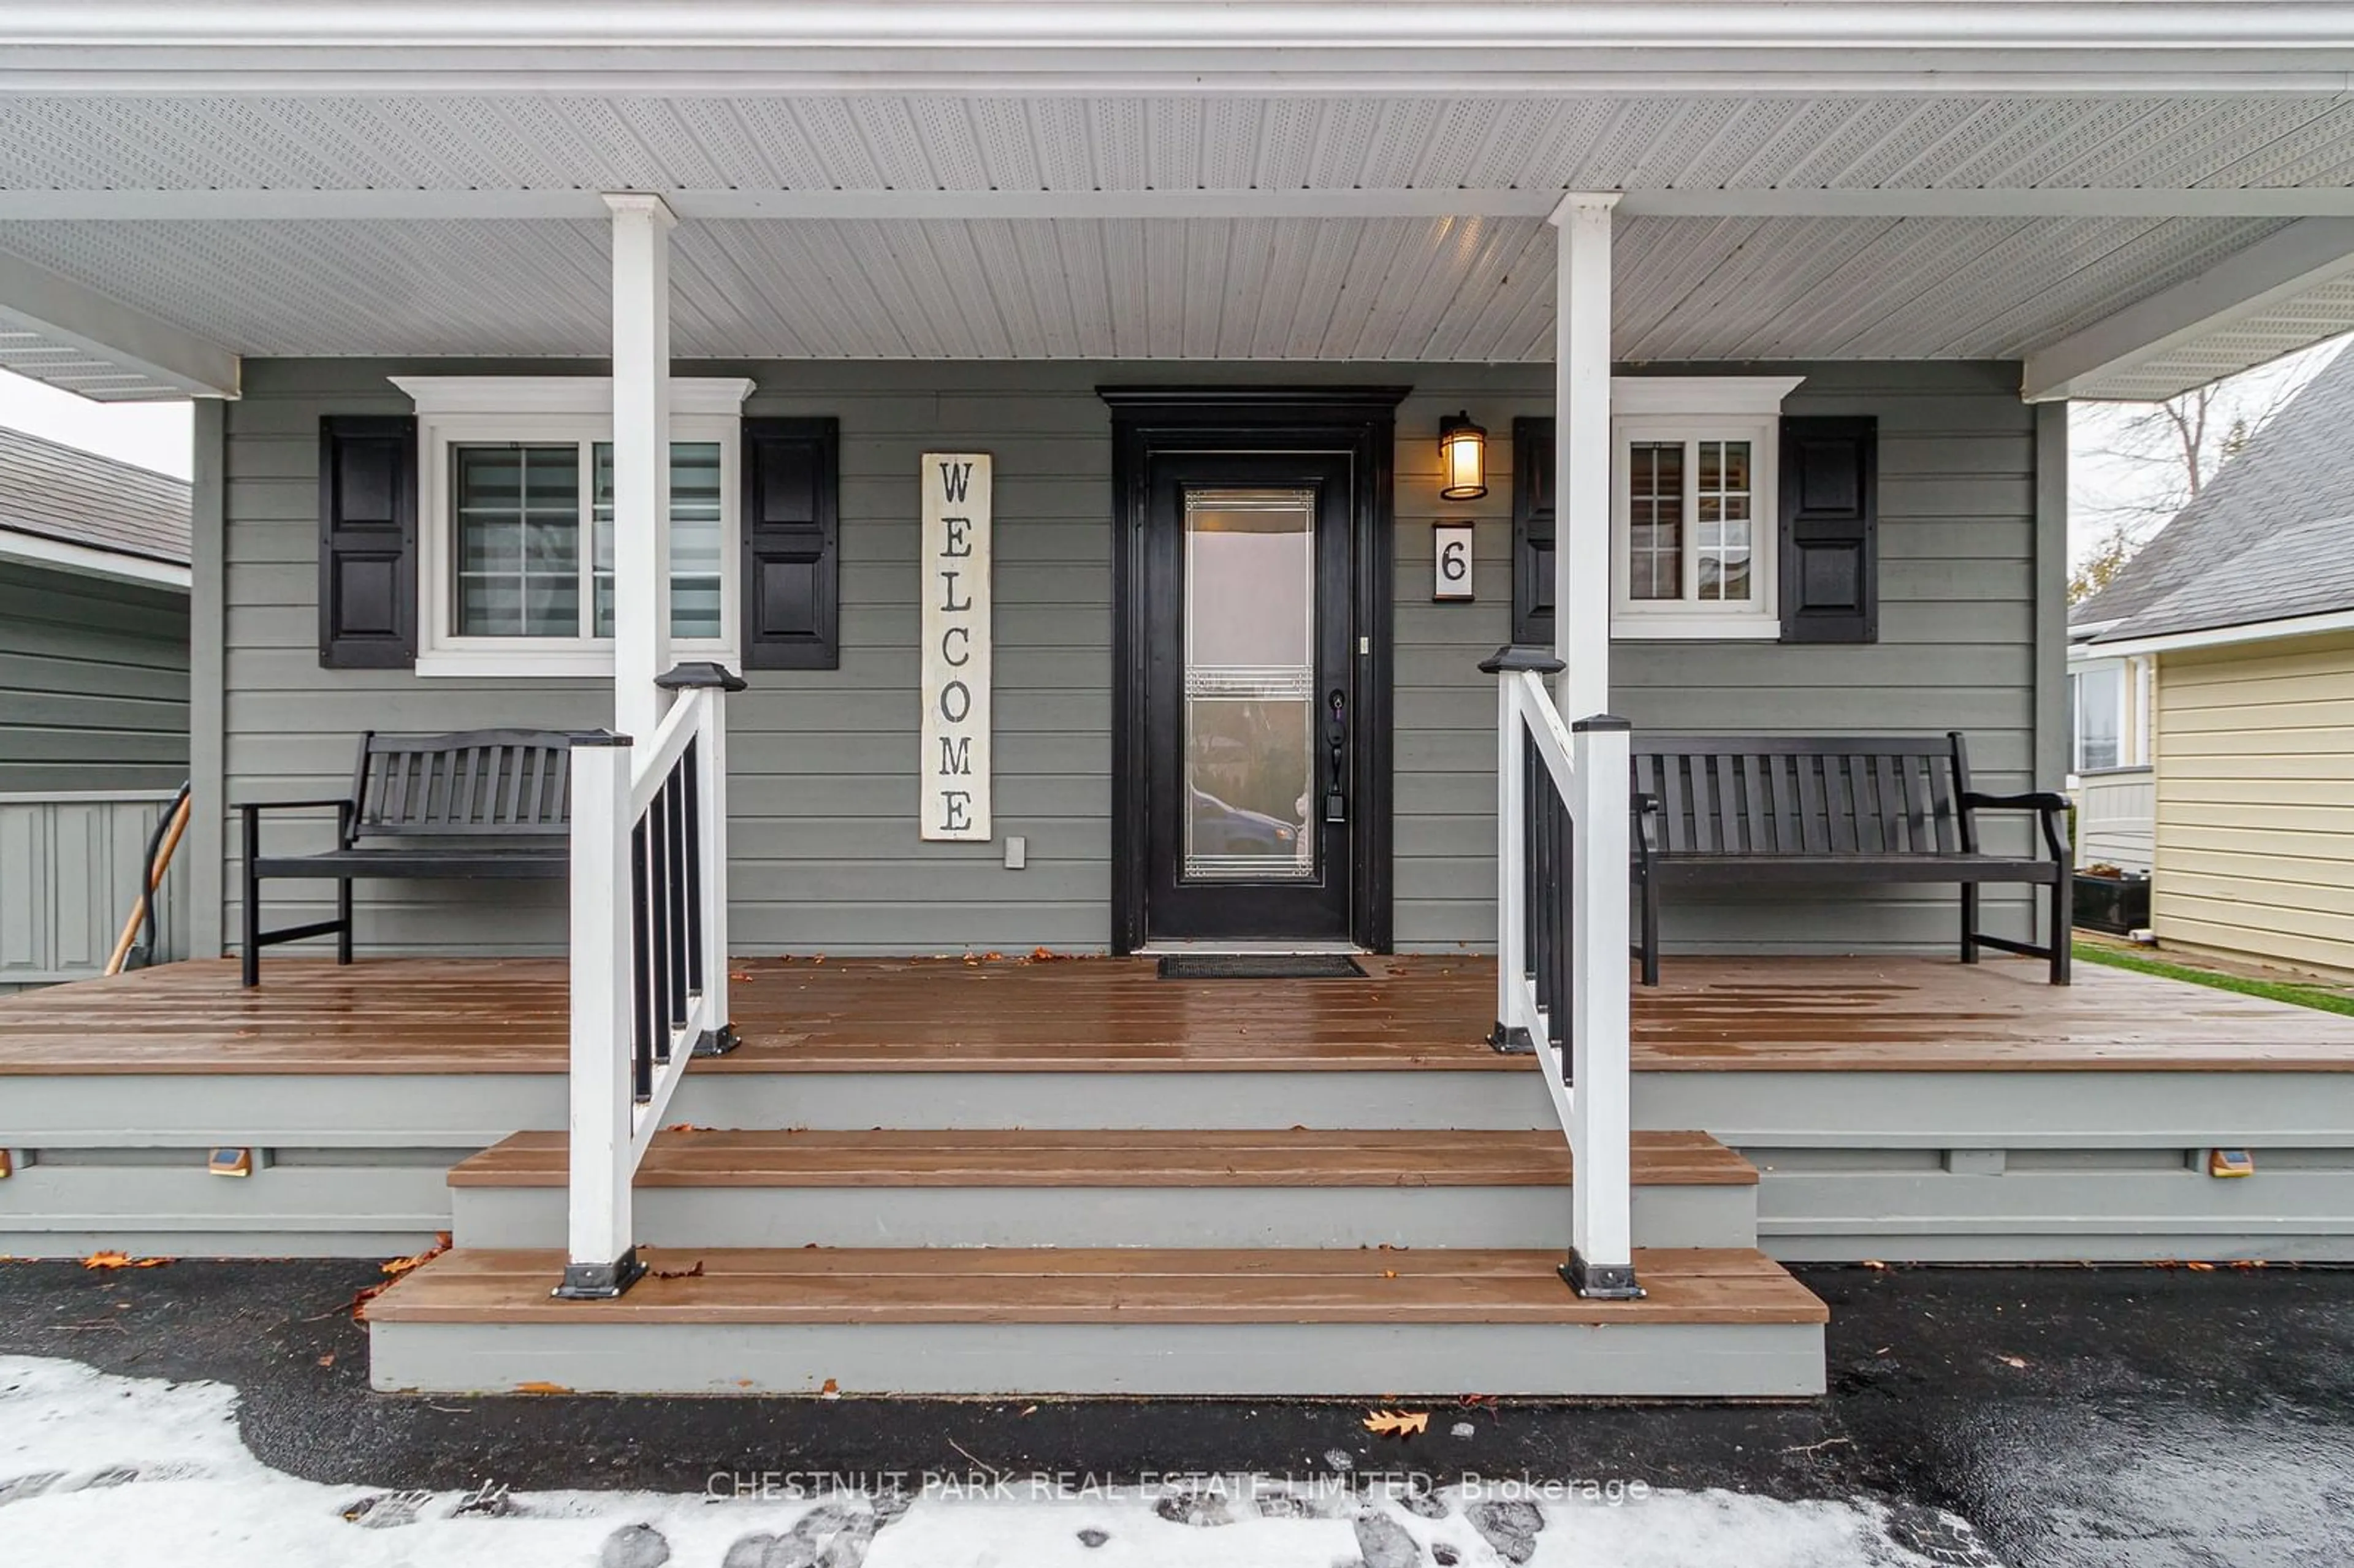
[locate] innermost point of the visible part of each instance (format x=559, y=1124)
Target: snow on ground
x=97, y=1470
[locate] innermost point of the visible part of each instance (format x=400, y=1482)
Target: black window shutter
x=792, y=598
x=1532, y=533
x=1831, y=530
x=367, y=542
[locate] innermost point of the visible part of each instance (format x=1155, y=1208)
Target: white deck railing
x=1562, y=814
x=649, y=967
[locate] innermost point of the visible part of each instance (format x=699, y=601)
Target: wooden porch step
x=1296, y=1187
x=1716, y=1322
x=1301, y=1157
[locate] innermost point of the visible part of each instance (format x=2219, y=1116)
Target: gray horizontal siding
x=93, y=683
x=823, y=788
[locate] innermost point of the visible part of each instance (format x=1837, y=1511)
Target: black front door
x=1250, y=697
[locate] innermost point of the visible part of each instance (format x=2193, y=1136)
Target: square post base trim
x=600, y=1281
x=1601, y=1281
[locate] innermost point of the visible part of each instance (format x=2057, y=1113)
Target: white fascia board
x=88, y=561
x=2284, y=264
x=586, y=395
x=65, y=312
x=749, y=204
x=1291, y=45
x=1701, y=395
x=2226, y=636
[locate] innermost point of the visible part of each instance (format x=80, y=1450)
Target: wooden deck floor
x=443, y=1015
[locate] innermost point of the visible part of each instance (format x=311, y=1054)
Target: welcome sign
x=956, y=588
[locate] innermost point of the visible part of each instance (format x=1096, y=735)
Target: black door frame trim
x=1358, y=420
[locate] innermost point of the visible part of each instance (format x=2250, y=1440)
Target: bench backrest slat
x=1781, y=795
x=503, y=783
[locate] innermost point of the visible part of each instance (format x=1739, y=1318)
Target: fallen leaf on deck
x=121, y=1260
x=695, y=1273
x=687, y=1126
x=328, y=1360
x=745, y=976
x=541, y=1388
x=1397, y=1423
x=1389, y=1274
x=2199, y=1268
x=2018, y=1362
x=1873, y=1263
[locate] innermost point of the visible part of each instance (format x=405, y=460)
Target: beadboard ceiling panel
x=1365, y=288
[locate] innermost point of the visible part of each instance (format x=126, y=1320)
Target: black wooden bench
x=1775, y=812
x=479, y=804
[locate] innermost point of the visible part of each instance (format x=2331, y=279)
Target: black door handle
x=1336, y=741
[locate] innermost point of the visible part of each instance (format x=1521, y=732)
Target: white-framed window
x=516, y=522
x=2107, y=702
x=1693, y=486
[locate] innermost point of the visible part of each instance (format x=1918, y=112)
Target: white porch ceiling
x=1362, y=288
x=1367, y=288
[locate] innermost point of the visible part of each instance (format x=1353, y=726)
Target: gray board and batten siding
x=824, y=767
x=93, y=683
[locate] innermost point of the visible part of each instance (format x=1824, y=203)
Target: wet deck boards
x=1713, y=1014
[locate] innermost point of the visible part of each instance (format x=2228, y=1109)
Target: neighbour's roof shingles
x=2265, y=540
x=61, y=493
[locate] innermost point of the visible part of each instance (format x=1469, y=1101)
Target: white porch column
x=641, y=224
x=1581, y=468
x=1601, y=1257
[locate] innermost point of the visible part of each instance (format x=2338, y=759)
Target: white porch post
x=600, y=1259
x=641, y=224
x=1601, y=1257
x=1581, y=622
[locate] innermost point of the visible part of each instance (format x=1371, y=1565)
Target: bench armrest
x=2036, y=801
x=1647, y=827
x=250, y=812
x=2049, y=803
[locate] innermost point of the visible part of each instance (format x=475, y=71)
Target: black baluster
x=695, y=981
x=642, y=1021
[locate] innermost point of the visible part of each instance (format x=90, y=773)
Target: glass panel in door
x=1249, y=645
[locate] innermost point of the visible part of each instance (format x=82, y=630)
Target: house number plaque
x=1451, y=551
x=956, y=587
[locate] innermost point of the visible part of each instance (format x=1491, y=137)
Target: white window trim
x=457, y=409
x=2133, y=685
x=1654, y=620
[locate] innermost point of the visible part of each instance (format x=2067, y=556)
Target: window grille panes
x=1722, y=535
x=696, y=541
x=518, y=545
x=1656, y=520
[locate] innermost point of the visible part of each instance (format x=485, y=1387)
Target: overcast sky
x=2101, y=482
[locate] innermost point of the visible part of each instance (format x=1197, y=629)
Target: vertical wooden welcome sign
x=956, y=587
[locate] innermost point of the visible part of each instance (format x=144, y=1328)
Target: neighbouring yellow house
x=2214, y=690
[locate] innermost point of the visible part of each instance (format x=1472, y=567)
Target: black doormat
x=1260, y=966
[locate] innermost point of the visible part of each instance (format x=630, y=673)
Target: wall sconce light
x=1462, y=458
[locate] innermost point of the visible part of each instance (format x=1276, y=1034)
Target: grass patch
x=2314, y=996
